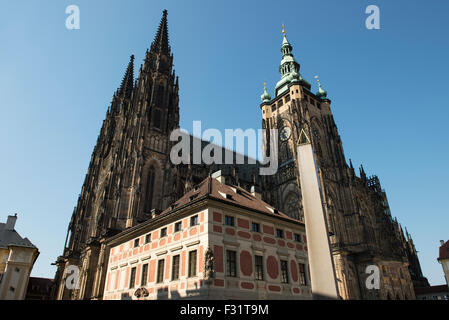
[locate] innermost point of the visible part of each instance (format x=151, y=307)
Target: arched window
x=292, y=206
x=149, y=190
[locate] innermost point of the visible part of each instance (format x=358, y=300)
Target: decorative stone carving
x=209, y=268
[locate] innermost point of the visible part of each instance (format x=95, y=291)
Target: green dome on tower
x=265, y=97
x=289, y=68
x=321, y=93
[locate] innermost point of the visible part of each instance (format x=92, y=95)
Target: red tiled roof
x=444, y=251
x=230, y=194
x=211, y=188
x=432, y=289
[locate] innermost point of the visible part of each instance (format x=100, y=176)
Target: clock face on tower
x=285, y=133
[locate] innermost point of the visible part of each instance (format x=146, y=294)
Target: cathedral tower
x=126, y=180
x=356, y=209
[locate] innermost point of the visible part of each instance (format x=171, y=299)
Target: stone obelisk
x=322, y=274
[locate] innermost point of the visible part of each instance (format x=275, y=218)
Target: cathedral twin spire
x=160, y=43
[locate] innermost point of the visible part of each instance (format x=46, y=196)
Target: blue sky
x=388, y=89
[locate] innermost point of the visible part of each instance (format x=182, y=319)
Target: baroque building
x=131, y=180
x=218, y=241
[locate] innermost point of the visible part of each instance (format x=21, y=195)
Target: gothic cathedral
x=131, y=179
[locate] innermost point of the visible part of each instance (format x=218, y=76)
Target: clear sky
x=388, y=89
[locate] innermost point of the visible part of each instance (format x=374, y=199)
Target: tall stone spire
x=160, y=42
x=128, y=80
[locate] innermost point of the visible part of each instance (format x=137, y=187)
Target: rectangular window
x=143, y=280
x=231, y=263
x=256, y=227
x=302, y=274
x=287, y=98
x=297, y=237
x=280, y=103
x=178, y=226
x=148, y=238
x=175, y=268
x=163, y=232
x=279, y=233
x=229, y=221
x=160, y=271
x=192, y=263
x=132, y=278
x=193, y=221
x=284, y=271
x=273, y=108
x=136, y=243
x=259, y=267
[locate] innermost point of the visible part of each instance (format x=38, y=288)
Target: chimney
x=11, y=222
x=441, y=242
x=154, y=212
x=219, y=176
x=255, y=191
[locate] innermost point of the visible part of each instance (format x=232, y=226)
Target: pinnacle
x=160, y=42
x=128, y=80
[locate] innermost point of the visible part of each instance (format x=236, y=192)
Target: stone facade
x=130, y=179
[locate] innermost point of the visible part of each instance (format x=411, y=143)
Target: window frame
x=175, y=267
x=132, y=278
x=192, y=270
x=180, y=226
x=165, y=232
x=160, y=271
x=231, y=219
x=302, y=274
x=284, y=272
x=279, y=233
x=258, y=268
x=231, y=264
x=194, y=220
x=255, y=224
x=144, y=276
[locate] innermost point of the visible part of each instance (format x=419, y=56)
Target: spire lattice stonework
x=127, y=85
x=160, y=42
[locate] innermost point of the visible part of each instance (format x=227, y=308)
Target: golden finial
x=318, y=80
x=283, y=30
